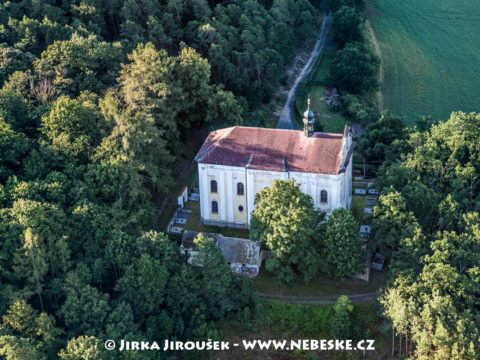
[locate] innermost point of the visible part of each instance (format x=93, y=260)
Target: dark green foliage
x=248, y=45
x=26, y=334
x=73, y=128
x=225, y=294
x=341, y=323
x=297, y=321
x=98, y=100
x=360, y=109
x=285, y=221
x=348, y=25
x=376, y=143
x=428, y=221
x=355, y=69
x=341, y=245
x=12, y=60
x=80, y=63
x=13, y=147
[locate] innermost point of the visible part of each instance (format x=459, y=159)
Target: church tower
x=308, y=120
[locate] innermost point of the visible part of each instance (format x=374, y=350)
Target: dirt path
x=286, y=120
x=316, y=300
x=381, y=72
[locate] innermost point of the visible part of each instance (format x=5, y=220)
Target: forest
x=97, y=98
x=428, y=222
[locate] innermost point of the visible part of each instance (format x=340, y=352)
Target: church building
x=235, y=163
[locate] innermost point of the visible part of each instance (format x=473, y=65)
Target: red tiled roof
x=273, y=149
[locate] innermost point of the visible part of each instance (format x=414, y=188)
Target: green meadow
x=431, y=55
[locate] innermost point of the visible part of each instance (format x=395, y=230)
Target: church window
x=323, y=196
x=240, y=189
x=214, y=207
x=240, y=208
x=213, y=186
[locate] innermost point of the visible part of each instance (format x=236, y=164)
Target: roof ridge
x=231, y=128
x=274, y=150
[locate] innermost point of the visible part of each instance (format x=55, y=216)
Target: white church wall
x=229, y=203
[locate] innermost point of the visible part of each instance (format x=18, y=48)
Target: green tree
x=392, y=222
x=12, y=60
x=171, y=92
x=13, y=348
x=376, y=143
x=85, y=308
x=81, y=63
x=347, y=26
x=285, y=221
x=342, y=246
x=44, y=249
x=423, y=202
x=20, y=318
x=82, y=348
x=226, y=293
x=355, y=68
x=434, y=309
x=143, y=286
x=74, y=127
x=341, y=322
x=14, y=147
x=28, y=332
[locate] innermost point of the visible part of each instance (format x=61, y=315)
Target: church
x=235, y=163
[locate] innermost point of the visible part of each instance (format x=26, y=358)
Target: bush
x=359, y=109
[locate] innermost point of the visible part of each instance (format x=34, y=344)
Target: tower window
x=324, y=196
x=240, y=189
x=214, y=207
x=213, y=186
x=240, y=208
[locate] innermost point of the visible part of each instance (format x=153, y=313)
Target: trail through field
x=317, y=300
x=430, y=55
x=286, y=120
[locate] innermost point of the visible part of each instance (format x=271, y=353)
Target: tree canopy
x=300, y=239
x=427, y=219
x=285, y=221
x=100, y=102
x=341, y=245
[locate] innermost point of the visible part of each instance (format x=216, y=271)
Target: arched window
x=214, y=207
x=213, y=186
x=240, y=189
x=323, y=196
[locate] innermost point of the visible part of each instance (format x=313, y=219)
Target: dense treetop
x=428, y=221
x=301, y=240
x=97, y=101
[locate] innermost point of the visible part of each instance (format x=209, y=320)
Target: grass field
x=431, y=55
x=319, y=286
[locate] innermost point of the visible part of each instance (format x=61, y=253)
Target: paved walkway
x=286, y=120
x=316, y=300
